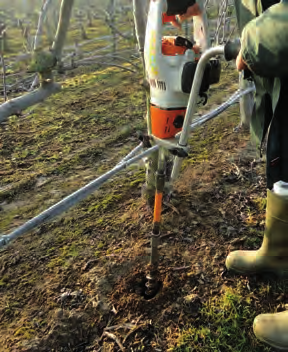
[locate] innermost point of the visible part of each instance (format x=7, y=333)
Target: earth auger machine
x=180, y=72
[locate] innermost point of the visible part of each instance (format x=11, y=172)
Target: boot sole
x=280, y=273
x=271, y=344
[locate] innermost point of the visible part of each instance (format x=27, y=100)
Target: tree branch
x=37, y=39
x=112, y=27
x=41, y=20
x=15, y=106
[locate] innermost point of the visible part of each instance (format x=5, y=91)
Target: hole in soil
x=143, y=291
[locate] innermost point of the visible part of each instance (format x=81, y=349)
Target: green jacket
x=247, y=10
x=267, y=56
x=264, y=41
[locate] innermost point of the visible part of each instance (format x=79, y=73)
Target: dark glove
x=178, y=7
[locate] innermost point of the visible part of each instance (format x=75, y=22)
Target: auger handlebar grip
x=232, y=49
x=178, y=7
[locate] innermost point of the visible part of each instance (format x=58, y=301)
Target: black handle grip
x=232, y=49
x=178, y=7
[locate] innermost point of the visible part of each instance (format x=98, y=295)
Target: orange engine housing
x=166, y=123
x=169, y=48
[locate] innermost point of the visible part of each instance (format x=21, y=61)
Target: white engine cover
x=163, y=72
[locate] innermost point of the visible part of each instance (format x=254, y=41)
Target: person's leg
x=277, y=144
x=248, y=262
x=273, y=328
x=273, y=254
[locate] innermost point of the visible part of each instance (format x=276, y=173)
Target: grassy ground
x=72, y=280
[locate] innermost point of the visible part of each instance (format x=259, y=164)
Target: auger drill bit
x=152, y=276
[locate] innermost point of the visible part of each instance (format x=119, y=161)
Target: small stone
x=191, y=298
x=58, y=313
x=76, y=294
x=64, y=296
x=280, y=297
x=230, y=230
x=238, y=240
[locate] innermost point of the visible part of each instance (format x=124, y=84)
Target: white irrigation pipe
x=72, y=199
x=210, y=115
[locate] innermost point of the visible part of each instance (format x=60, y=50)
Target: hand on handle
x=233, y=51
x=193, y=10
x=240, y=63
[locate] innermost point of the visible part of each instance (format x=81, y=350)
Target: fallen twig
x=121, y=326
x=186, y=239
x=132, y=331
x=115, y=338
x=113, y=310
x=181, y=268
x=169, y=205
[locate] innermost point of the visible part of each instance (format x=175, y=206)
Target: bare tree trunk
x=83, y=32
x=4, y=75
x=140, y=12
x=90, y=19
x=4, y=41
x=43, y=13
x=112, y=20
x=49, y=31
x=46, y=62
x=63, y=24
x=55, y=17
x=2, y=51
x=38, y=35
x=20, y=25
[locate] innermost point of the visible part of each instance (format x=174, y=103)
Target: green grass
x=222, y=326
